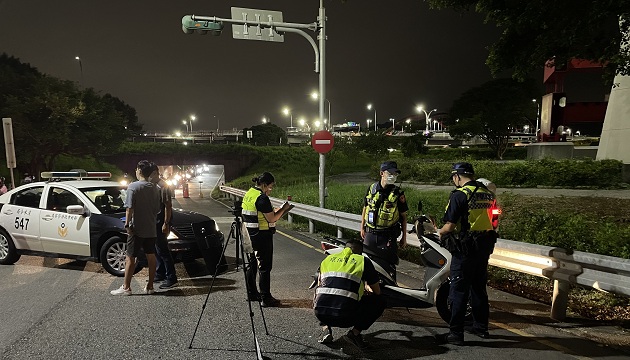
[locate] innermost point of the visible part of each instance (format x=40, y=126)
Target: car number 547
x=21, y=223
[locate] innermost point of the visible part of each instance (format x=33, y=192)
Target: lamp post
x=537, y=116
x=408, y=121
x=192, y=118
x=288, y=112
x=217, y=122
x=80, y=68
x=393, y=124
x=369, y=107
x=427, y=118
x=303, y=123
x=185, y=123
x=315, y=96
x=369, y=121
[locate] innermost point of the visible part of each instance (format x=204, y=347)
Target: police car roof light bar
x=76, y=175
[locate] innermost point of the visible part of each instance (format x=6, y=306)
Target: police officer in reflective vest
x=259, y=217
x=469, y=236
x=384, y=216
x=341, y=299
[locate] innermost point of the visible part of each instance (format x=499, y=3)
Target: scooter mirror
x=420, y=206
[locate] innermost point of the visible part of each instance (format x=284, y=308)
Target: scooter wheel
x=443, y=305
x=441, y=302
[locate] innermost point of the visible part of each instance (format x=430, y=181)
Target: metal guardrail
x=600, y=272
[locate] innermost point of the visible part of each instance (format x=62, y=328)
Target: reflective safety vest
x=480, y=201
x=340, y=285
x=382, y=210
x=253, y=219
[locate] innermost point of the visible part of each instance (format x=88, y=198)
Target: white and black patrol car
x=83, y=218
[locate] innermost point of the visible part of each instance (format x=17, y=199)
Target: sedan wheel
x=113, y=255
x=8, y=253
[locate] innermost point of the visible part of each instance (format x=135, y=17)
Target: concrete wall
x=555, y=150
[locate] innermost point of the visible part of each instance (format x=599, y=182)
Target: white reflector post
x=7, y=125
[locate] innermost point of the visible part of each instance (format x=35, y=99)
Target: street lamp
x=369, y=121
x=288, y=112
x=303, y=123
x=192, y=118
x=393, y=124
x=537, y=116
x=264, y=120
x=369, y=107
x=317, y=124
x=80, y=68
x=427, y=118
x=408, y=121
x=315, y=96
x=185, y=123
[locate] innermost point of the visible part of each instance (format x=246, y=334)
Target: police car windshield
x=108, y=199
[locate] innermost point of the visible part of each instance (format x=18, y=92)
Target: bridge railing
x=563, y=267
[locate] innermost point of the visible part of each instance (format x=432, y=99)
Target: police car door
x=20, y=217
x=64, y=233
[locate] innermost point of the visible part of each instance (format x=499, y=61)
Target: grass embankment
x=597, y=225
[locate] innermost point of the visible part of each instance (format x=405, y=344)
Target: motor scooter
x=434, y=257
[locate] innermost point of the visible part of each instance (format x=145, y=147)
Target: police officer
x=340, y=298
x=384, y=215
x=469, y=235
x=259, y=217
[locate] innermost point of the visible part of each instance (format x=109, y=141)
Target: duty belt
x=379, y=231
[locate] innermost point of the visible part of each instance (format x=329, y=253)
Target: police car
x=79, y=216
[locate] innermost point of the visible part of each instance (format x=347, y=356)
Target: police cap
x=462, y=168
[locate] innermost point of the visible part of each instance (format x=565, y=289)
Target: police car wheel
x=8, y=253
x=443, y=305
x=113, y=255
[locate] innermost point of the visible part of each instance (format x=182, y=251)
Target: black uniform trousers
x=384, y=240
x=367, y=311
x=260, y=262
x=469, y=276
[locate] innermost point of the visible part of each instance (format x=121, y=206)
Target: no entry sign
x=323, y=141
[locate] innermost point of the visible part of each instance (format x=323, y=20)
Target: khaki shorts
x=135, y=243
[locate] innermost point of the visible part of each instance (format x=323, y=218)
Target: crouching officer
x=384, y=216
x=469, y=236
x=340, y=298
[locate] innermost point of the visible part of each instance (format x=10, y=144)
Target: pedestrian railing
x=604, y=273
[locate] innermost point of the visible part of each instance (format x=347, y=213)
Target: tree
x=267, y=134
x=414, y=145
x=375, y=143
x=53, y=117
x=535, y=31
x=492, y=110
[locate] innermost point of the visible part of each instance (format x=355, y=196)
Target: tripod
x=235, y=233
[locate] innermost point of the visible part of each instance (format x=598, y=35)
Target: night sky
x=394, y=54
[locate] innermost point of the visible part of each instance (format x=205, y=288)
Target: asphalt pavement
x=60, y=309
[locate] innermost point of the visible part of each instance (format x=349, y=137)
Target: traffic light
x=201, y=26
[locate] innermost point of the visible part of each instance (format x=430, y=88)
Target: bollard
x=560, y=299
x=289, y=217
x=185, y=193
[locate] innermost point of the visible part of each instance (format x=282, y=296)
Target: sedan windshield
x=108, y=199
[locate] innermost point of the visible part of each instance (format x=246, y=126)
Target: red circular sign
x=322, y=141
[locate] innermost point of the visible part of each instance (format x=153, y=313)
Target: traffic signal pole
x=322, y=97
x=214, y=24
